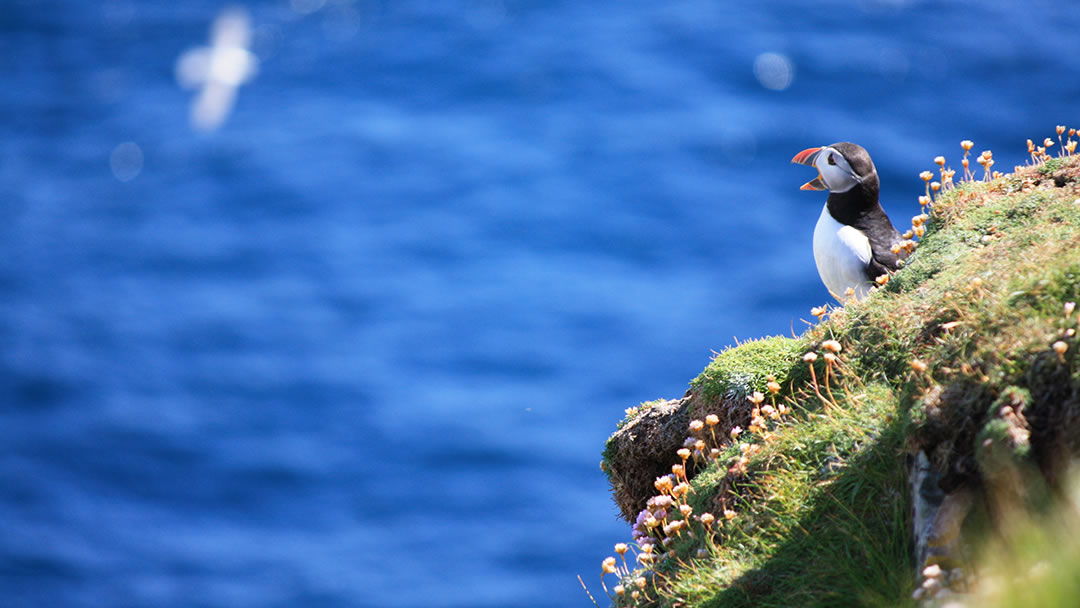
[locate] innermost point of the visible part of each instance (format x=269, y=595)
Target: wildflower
x=1060, y=347
x=756, y=398
x=608, y=565
x=712, y=420
x=940, y=160
x=818, y=311
x=935, y=186
x=683, y=453
x=976, y=283
x=714, y=453
x=729, y=514
x=663, y=483
x=926, y=176
x=699, y=445
x=696, y=425
x=621, y=548
x=647, y=548
x=918, y=366
x=661, y=502
x=619, y=590
x=678, y=469
x=686, y=510
x=680, y=489
x=707, y=518
x=640, y=582
x=967, y=144
x=932, y=571
x=773, y=386
x=810, y=357
x=735, y=431
x=635, y=595
x=831, y=358
x=895, y=249
x=1060, y=129
x=831, y=346
x=1048, y=142
x=783, y=409
x=1069, y=308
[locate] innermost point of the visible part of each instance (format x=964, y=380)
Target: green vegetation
x=967, y=354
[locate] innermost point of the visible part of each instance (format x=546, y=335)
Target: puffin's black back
x=859, y=207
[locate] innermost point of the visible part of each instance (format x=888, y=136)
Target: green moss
x=739, y=371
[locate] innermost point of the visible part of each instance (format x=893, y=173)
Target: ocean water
x=361, y=344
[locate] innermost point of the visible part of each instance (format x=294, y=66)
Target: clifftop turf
x=790, y=473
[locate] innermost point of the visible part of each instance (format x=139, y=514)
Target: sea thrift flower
x=712, y=420
x=1069, y=308
x=621, y=548
x=663, y=483
x=773, y=386
x=926, y=176
x=662, y=502
x=940, y=160
x=707, y=519
x=918, y=366
x=696, y=425
x=729, y=514
x=1060, y=347
x=831, y=346
x=619, y=590
x=683, y=453
x=756, y=398
x=810, y=357
x=735, y=431
x=818, y=311
x=967, y=145
x=686, y=510
x=608, y=565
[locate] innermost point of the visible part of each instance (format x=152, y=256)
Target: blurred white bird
x=219, y=69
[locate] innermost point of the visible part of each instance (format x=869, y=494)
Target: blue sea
x=359, y=342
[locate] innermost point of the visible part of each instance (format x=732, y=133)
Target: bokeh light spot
x=774, y=71
x=126, y=161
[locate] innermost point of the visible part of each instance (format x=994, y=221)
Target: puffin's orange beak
x=807, y=157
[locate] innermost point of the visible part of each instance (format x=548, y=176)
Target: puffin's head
x=841, y=167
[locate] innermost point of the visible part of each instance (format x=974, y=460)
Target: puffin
x=854, y=240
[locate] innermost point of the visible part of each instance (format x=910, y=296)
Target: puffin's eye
x=831, y=160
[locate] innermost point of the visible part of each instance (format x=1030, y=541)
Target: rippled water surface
x=361, y=344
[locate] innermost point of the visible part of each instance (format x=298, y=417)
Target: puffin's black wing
x=882, y=236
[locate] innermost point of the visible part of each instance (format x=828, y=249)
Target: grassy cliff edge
x=784, y=476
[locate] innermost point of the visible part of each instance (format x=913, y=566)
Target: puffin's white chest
x=842, y=254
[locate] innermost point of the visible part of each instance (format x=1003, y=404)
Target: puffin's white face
x=835, y=170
